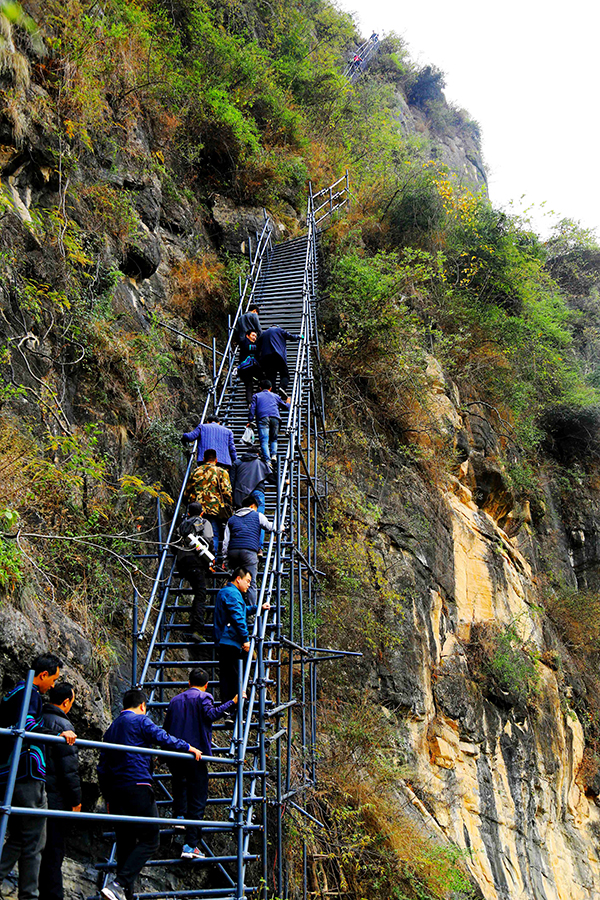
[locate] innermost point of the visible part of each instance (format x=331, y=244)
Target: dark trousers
x=229, y=658
x=189, y=783
x=194, y=572
x=51, y=884
x=249, y=560
x=26, y=838
x=135, y=843
x=247, y=376
x=272, y=364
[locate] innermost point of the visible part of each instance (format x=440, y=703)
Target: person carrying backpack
x=248, y=367
x=194, y=559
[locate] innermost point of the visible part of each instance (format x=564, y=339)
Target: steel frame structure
x=269, y=760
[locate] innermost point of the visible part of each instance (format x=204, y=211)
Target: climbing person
x=190, y=716
x=265, y=408
x=249, y=367
x=195, y=557
x=251, y=475
x=126, y=784
x=273, y=355
x=210, y=486
x=242, y=539
x=232, y=638
x=214, y=436
x=248, y=321
x=374, y=37
x=27, y=834
x=63, y=788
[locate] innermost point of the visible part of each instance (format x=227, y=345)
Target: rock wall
x=500, y=778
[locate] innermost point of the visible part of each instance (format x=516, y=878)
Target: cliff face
x=498, y=774
x=482, y=691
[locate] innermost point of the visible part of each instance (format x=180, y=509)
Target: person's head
x=198, y=678
x=195, y=509
x=266, y=385
x=250, y=501
x=252, y=337
x=135, y=700
x=210, y=419
x=255, y=308
x=210, y=456
x=242, y=578
x=46, y=671
x=62, y=695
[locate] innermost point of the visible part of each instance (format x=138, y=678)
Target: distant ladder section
x=269, y=756
x=357, y=66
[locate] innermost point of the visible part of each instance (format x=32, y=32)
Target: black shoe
x=283, y=394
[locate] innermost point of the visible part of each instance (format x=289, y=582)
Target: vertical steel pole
x=240, y=783
x=214, y=373
x=278, y=687
x=134, y=641
x=14, y=763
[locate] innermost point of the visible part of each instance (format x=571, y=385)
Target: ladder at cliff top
x=366, y=50
x=265, y=772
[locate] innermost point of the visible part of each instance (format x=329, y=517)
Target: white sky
x=528, y=73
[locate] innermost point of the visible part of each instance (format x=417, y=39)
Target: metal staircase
x=268, y=759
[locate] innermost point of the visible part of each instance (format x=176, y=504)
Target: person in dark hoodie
x=248, y=321
x=242, y=539
x=190, y=716
x=126, y=783
x=193, y=563
x=273, y=355
x=249, y=367
x=63, y=787
x=251, y=475
x=27, y=834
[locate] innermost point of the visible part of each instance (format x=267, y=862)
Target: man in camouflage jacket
x=210, y=486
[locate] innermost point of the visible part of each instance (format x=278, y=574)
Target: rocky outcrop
x=499, y=777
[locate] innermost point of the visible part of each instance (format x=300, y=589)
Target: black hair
x=198, y=677
x=210, y=419
x=60, y=692
x=239, y=572
x=195, y=509
x=46, y=662
x=265, y=385
x=249, y=500
x=254, y=307
x=134, y=698
x=209, y=455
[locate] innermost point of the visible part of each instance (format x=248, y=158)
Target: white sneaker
x=113, y=891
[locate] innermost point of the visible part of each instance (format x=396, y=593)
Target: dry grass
x=199, y=287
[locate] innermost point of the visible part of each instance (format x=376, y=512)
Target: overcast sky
x=527, y=71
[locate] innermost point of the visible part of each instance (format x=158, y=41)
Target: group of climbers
x=224, y=523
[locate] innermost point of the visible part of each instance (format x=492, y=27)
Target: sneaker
x=113, y=891
x=283, y=394
x=274, y=458
x=191, y=853
x=179, y=827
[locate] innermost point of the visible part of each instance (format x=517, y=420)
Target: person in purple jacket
x=273, y=355
x=265, y=408
x=213, y=436
x=126, y=783
x=190, y=716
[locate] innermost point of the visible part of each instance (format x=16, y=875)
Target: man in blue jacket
x=232, y=637
x=27, y=834
x=190, y=716
x=213, y=436
x=273, y=355
x=265, y=408
x=126, y=783
x=251, y=475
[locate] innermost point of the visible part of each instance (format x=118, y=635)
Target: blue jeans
x=268, y=429
x=216, y=527
x=260, y=496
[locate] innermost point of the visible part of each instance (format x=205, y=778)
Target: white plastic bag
x=248, y=436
